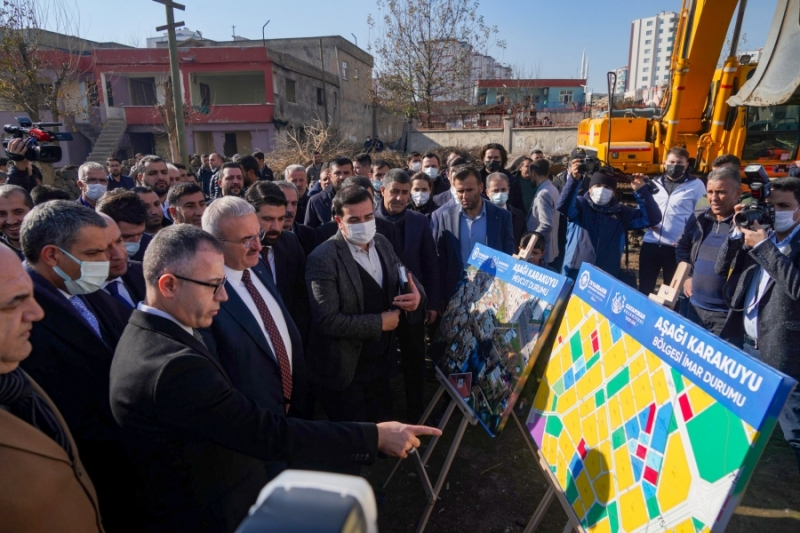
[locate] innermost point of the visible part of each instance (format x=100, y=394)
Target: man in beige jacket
x=44, y=486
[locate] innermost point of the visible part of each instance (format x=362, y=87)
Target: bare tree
x=40, y=57
x=166, y=112
x=424, y=52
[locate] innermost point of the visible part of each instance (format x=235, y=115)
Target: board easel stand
x=420, y=459
x=432, y=491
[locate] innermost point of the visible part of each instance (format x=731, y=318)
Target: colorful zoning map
x=493, y=330
x=635, y=440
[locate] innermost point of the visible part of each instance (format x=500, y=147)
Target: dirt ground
x=494, y=486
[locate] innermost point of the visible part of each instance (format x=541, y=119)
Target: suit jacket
x=290, y=275
x=306, y=235
x=518, y=223
x=319, y=206
x=238, y=342
x=778, y=309
x=134, y=281
x=382, y=227
x=143, y=244
x=43, y=489
x=201, y=444
x=302, y=205
x=72, y=364
x=446, y=227
x=419, y=256
x=339, y=326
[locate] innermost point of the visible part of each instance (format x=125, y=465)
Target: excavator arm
x=776, y=80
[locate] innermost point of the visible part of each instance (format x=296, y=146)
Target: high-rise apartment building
x=650, y=56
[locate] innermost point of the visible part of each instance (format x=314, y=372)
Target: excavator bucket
x=776, y=80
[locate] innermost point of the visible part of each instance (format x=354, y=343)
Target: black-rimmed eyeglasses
x=215, y=286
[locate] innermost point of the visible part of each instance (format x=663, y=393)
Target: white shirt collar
x=163, y=314
x=354, y=248
x=234, y=276
x=110, y=281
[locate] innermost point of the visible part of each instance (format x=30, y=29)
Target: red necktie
x=275, y=336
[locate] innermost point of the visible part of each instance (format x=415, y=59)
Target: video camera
x=36, y=133
x=761, y=212
x=620, y=176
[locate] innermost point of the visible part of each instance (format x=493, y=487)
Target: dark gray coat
x=339, y=326
x=778, y=309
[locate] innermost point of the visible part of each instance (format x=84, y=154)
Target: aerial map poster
x=648, y=422
x=493, y=330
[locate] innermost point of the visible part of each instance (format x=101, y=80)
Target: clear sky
x=544, y=35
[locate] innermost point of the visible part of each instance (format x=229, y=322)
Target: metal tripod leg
x=425, y=416
x=443, y=474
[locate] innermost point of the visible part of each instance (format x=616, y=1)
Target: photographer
x=23, y=173
x=598, y=222
x=763, y=292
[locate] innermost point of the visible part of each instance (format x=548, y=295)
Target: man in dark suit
x=763, y=292
x=296, y=175
x=36, y=446
x=497, y=192
x=201, y=444
x=67, y=255
x=355, y=309
x=419, y=256
x=15, y=204
x=459, y=225
x=125, y=282
x=116, y=179
x=495, y=157
x=240, y=334
x=383, y=227
x=129, y=211
x=319, y=206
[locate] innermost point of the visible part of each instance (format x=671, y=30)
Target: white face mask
x=361, y=233
x=132, y=248
x=784, y=221
x=432, y=172
x=93, y=275
x=499, y=198
x=600, y=195
x=420, y=197
x=416, y=165
x=95, y=191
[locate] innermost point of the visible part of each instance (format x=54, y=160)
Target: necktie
x=196, y=335
x=113, y=290
x=265, y=255
x=87, y=315
x=274, y=335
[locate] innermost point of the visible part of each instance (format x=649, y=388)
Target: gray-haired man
x=93, y=182
x=201, y=443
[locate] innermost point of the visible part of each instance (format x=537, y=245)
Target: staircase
x=108, y=141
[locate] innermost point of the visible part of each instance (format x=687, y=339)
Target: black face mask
x=493, y=165
x=675, y=171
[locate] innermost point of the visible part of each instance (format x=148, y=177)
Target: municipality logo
x=584, y=281
x=618, y=303
x=475, y=253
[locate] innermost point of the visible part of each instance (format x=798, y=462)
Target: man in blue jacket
x=467, y=220
x=598, y=223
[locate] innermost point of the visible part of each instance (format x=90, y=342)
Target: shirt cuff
x=759, y=244
x=736, y=233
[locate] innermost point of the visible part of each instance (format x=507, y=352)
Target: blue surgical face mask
x=132, y=248
x=499, y=198
x=376, y=184
x=95, y=191
x=93, y=275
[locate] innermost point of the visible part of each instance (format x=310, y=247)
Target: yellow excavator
x=751, y=111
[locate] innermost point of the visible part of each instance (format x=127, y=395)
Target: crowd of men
x=177, y=327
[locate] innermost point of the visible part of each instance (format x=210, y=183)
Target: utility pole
x=177, y=96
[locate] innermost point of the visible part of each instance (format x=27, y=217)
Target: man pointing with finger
x=356, y=300
x=201, y=445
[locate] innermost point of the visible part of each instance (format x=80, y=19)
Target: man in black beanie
x=598, y=222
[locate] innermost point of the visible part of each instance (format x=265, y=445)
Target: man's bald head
x=18, y=311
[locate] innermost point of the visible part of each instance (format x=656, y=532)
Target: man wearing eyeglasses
x=253, y=327
x=93, y=182
x=201, y=444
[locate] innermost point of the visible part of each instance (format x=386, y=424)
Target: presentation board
x=647, y=421
x=494, y=329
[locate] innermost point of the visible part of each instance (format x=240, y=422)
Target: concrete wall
x=551, y=141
